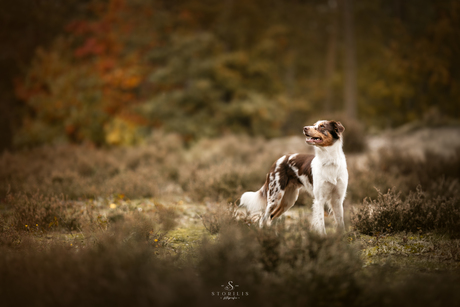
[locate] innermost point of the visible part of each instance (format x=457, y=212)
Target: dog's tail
x=255, y=202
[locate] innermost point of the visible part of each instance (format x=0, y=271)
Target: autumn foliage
x=204, y=68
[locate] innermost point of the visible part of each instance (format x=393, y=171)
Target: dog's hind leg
x=290, y=197
x=273, y=203
x=287, y=199
x=274, y=196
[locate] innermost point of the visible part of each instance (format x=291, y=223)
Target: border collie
x=323, y=175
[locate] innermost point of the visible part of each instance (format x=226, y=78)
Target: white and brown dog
x=323, y=175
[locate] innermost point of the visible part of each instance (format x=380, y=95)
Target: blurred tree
x=87, y=83
x=331, y=56
x=350, y=60
x=415, y=60
x=24, y=26
x=206, y=91
x=202, y=68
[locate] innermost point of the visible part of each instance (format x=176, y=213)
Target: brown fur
x=327, y=131
x=288, y=180
x=290, y=196
x=324, y=135
x=303, y=163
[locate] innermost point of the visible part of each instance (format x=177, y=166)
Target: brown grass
x=128, y=262
x=416, y=213
x=93, y=239
x=209, y=170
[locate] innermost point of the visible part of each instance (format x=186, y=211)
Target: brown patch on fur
x=337, y=126
x=327, y=131
x=303, y=163
x=289, y=198
x=327, y=141
x=288, y=181
x=286, y=175
x=324, y=135
x=334, y=128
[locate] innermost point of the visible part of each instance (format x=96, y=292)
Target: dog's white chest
x=328, y=172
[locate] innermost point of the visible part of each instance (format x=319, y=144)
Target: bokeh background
x=112, y=72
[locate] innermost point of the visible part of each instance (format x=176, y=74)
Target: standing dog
x=323, y=175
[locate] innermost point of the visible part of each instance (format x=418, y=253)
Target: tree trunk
x=350, y=60
x=331, y=59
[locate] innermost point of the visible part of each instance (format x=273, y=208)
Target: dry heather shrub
x=387, y=287
x=213, y=151
x=366, y=182
x=415, y=171
x=225, y=181
x=166, y=216
x=437, y=175
x=282, y=266
x=81, y=171
x=210, y=169
x=221, y=215
x=134, y=228
x=37, y=212
x=416, y=213
x=222, y=169
x=128, y=264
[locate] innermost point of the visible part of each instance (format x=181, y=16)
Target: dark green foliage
x=214, y=91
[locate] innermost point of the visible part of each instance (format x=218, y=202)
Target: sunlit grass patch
x=407, y=250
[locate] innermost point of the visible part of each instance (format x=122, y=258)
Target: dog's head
x=323, y=133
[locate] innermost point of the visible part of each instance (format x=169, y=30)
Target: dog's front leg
x=322, y=193
x=337, y=208
x=317, y=223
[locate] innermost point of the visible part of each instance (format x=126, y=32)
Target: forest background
x=111, y=72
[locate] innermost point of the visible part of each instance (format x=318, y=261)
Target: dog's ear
x=338, y=126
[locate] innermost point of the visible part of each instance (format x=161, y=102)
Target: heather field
x=158, y=225
x=129, y=129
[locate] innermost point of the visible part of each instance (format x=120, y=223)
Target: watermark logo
x=230, y=291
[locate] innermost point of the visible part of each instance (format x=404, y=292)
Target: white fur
x=255, y=203
x=330, y=180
